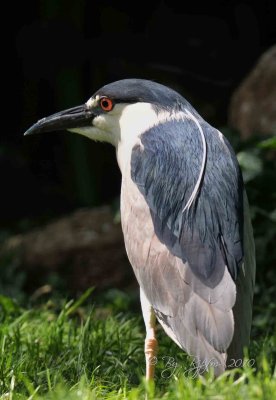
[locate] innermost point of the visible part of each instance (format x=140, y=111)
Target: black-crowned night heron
x=184, y=215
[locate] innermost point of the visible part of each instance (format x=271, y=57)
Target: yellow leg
x=150, y=341
x=150, y=353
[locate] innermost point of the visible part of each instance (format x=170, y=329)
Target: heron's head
x=117, y=111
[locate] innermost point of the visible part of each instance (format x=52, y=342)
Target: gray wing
x=190, y=259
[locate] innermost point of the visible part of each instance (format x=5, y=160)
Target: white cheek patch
x=104, y=127
x=100, y=122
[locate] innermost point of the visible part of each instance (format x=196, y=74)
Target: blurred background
x=59, y=199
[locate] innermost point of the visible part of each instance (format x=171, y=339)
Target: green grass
x=66, y=350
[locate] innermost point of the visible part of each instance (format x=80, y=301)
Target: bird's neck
x=135, y=119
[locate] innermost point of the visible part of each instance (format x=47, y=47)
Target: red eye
x=106, y=104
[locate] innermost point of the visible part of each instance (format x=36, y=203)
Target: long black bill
x=73, y=118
